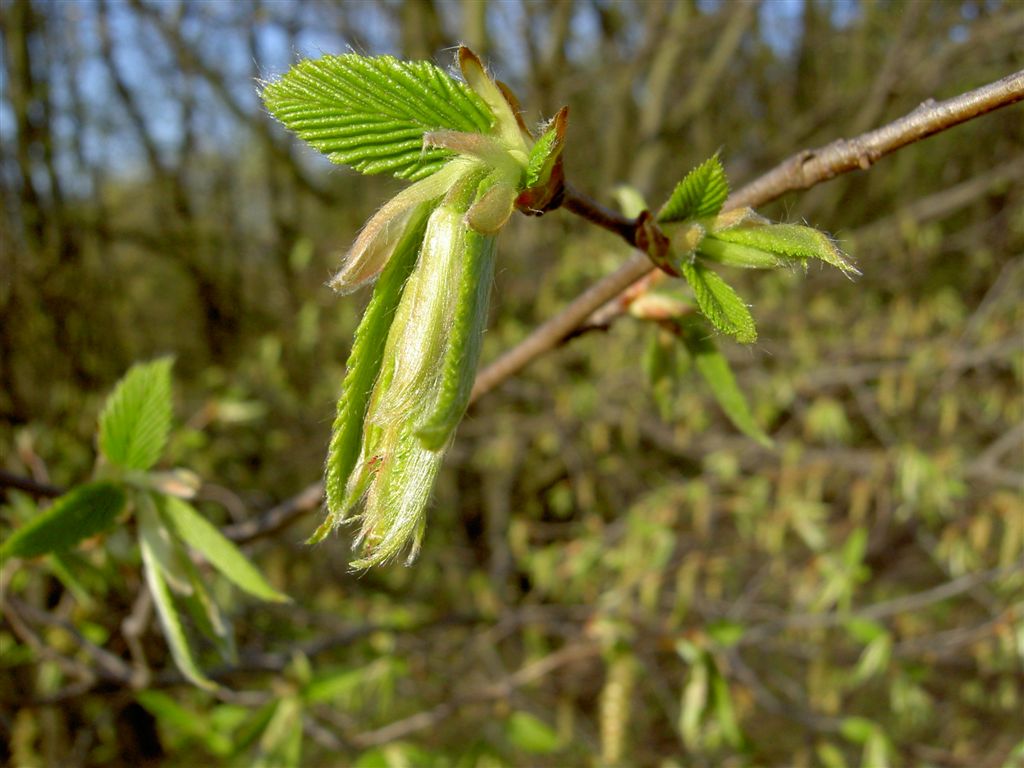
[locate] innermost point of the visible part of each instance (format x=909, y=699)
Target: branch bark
x=802, y=170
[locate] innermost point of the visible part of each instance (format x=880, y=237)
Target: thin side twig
x=802, y=170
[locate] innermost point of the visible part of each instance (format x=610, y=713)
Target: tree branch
x=802, y=170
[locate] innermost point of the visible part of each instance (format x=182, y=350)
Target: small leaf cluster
x=700, y=235
x=134, y=428
x=430, y=250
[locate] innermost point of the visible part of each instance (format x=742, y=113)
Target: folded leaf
x=716, y=372
x=201, y=535
x=789, y=240
x=170, y=621
x=719, y=302
x=699, y=195
x=137, y=416
x=371, y=112
x=364, y=363
x=84, y=512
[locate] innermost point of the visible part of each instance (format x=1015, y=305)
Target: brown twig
x=803, y=170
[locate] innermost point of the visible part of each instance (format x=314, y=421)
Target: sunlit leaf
x=787, y=240
x=719, y=302
x=700, y=194
x=201, y=535
x=137, y=416
x=364, y=364
x=371, y=112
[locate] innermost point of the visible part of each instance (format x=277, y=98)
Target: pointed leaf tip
x=136, y=418
x=701, y=194
x=719, y=302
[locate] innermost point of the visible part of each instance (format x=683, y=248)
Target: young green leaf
x=371, y=112
x=719, y=302
x=167, y=611
x=547, y=150
x=463, y=352
x=281, y=741
x=184, y=722
x=137, y=416
x=195, y=530
x=716, y=372
x=364, y=363
x=701, y=194
x=81, y=513
x=787, y=240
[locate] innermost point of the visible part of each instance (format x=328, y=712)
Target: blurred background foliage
x=611, y=574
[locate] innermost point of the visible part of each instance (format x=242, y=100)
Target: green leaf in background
x=399, y=754
x=371, y=112
x=184, y=722
x=701, y=194
x=725, y=713
x=718, y=374
x=167, y=550
x=719, y=302
x=84, y=512
x=137, y=416
x=528, y=733
x=281, y=741
x=201, y=535
x=167, y=611
x=789, y=241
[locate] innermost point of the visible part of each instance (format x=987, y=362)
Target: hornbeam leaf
x=716, y=372
x=719, y=302
x=170, y=620
x=84, y=512
x=364, y=364
x=699, y=195
x=789, y=240
x=201, y=535
x=371, y=112
x=137, y=416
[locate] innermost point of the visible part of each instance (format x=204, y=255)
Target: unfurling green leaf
x=196, y=531
x=700, y=195
x=719, y=302
x=463, y=353
x=529, y=734
x=137, y=416
x=544, y=174
x=170, y=621
x=81, y=513
x=777, y=242
x=371, y=112
x=716, y=372
x=363, y=366
x=424, y=381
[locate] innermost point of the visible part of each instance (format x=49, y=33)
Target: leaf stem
x=591, y=210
